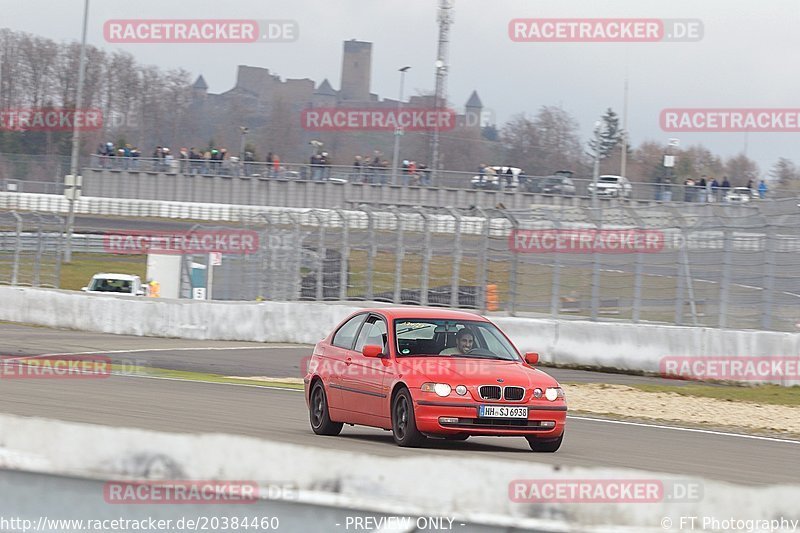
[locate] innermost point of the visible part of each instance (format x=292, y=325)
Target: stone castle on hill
x=271, y=109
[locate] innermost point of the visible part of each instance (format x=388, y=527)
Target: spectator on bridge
x=509, y=178
x=482, y=173
x=750, y=184
x=688, y=190
x=358, y=167
x=714, y=186
x=184, y=160
x=276, y=165
x=703, y=192
x=762, y=189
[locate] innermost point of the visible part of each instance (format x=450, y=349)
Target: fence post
x=595, y=304
x=512, y=277
x=398, y=260
x=725, y=285
x=322, y=252
x=297, y=281
x=345, y=255
x=37, y=264
x=457, y=254
x=555, y=296
x=372, y=250
x=768, y=294
x=484, y=259
x=426, y=258
x=17, y=249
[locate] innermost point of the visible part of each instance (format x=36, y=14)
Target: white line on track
x=585, y=418
x=676, y=428
x=572, y=417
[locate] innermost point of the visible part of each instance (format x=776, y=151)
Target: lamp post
x=76, y=138
x=242, y=146
x=596, y=170
x=398, y=131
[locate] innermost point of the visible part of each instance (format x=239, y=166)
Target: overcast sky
x=747, y=58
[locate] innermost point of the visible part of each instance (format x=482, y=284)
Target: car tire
x=318, y=413
x=404, y=423
x=545, y=445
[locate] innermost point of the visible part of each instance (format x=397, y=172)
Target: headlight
x=537, y=393
x=461, y=390
x=441, y=389
x=554, y=393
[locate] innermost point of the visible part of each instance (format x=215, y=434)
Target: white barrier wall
x=622, y=346
x=447, y=488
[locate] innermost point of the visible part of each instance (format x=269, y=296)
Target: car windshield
x=452, y=338
x=609, y=179
x=111, y=285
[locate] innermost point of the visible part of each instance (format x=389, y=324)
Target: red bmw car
x=431, y=373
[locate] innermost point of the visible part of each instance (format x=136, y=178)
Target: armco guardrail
x=623, y=346
x=341, y=484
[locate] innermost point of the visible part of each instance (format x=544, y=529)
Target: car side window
x=347, y=333
x=373, y=333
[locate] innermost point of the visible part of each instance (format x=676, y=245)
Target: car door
x=364, y=379
x=333, y=361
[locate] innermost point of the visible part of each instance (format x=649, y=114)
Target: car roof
x=425, y=312
x=127, y=277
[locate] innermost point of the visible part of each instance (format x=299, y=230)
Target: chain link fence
x=30, y=249
x=704, y=268
x=710, y=265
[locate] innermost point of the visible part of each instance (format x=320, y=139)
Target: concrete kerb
x=624, y=346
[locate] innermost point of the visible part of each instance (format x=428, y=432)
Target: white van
x=106, y=283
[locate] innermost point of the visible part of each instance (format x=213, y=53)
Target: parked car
x=116, y=284
x=609, y=186
x=496, y=178
x=740, y=195
x=559, y=184
x=437, y=373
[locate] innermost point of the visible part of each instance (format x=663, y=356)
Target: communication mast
x=445, y=19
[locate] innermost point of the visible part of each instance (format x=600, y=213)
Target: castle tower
x=356, y=71
x=200, y=89
x=474, y=109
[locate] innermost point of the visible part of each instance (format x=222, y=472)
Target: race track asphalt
x=281, y=415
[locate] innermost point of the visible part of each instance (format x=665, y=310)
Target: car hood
x=473, y=371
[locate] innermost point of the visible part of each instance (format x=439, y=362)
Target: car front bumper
x=429, y=412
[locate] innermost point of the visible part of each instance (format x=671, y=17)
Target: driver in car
x=465, y=341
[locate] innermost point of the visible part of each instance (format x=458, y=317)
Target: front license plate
x=499, y=411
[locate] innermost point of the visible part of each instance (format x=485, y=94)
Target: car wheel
x=545, y=445
x=318, y=413
x=404, y=424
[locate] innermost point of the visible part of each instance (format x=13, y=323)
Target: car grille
x=514, y=394
x=489, y=392
x=495, y=392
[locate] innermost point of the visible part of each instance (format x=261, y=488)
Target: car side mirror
x=372, y=350
x=532, y=358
